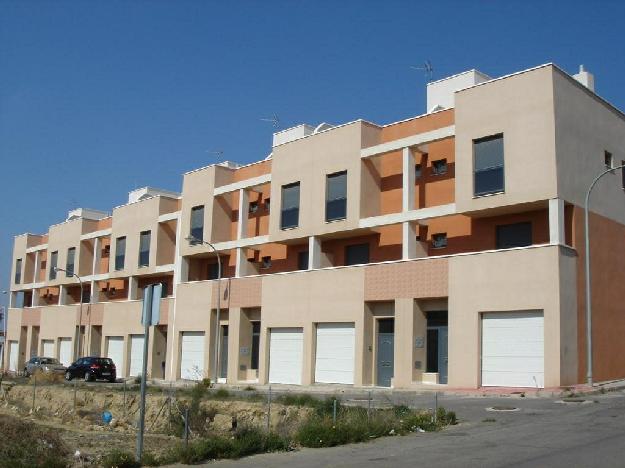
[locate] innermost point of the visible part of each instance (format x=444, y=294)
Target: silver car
x=43, y=364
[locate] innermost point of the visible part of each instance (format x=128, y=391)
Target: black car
x=92, y=368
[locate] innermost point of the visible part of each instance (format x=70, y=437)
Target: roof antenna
x=427, y=69
x=274, y=120
x=217, y=153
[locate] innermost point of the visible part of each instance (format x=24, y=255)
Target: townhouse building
x=443, y=249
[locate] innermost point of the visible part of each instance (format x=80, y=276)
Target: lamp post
x=195, y=241
x=587, y=268
x=78, y=349
x=4, y=335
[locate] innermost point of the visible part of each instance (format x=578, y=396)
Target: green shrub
x=222, y=394
x=119, y=459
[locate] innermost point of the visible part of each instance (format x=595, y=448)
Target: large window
x=18, y=271
x=302, y=260
x=213, y=271
x=488, y=165
x=144, y=248
x=514, y=235
x=120, y=253
x=290, y=206
x=54, y=258
x=69, y=262
x=255, y=345
x=336, y=196
x=356, y=254
x=197, y=222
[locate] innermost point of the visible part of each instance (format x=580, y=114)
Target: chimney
x=585, y=78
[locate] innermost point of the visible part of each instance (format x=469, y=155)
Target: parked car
x=92, y=368
x=43, y=364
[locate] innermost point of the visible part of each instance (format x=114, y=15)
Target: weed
x=222, y=394
x=119, y=459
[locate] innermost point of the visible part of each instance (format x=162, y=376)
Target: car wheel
x=68, y=376
x=88, y=377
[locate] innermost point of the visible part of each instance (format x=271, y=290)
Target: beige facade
x=415, y=282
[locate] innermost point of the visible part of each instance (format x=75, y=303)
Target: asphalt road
x=542, y=433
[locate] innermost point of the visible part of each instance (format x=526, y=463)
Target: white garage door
x=115, y=351
x=47, y=348
x=65, y=351
x=136, y=354
x=513, y=349
x=334, y=360
x=192, y=356
x=286, y=347
x=14, y=354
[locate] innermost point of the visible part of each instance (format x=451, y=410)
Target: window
x=356, y=254
x=302, y=260
x=268, y=205
x=290, y=206
x=265, y=263
x=120, y=253
x=197, y=222
x=439, y=240
x=253, y=207
x=144, y=248
x=255, y=344
x=336, y=196
x=54, y=257
x=417, y=171
x=18, y=271
x=608, y=160
x=86, y=295
x=69, y=262
x=213, y=271
x=488, y=165
x=514, y=235
x=439, y=167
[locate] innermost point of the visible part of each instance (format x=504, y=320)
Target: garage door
x=513, y=349
x=47, y=348
x=14, y=354
x=192, y=356
x=136, y=354
x=65, y=351
x=115, y=351
x=334, y=359
x=286, y=347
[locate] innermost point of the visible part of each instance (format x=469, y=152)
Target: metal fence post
x=186, y=426
x=435, y=407
x=369, y=407
x=334, y=412
x=34, y=390
x=269, y=410
x=124, y=398
x=75, y=391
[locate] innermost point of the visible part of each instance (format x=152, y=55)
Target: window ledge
x=330, y=221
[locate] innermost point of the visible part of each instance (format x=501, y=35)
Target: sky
x=99, y=98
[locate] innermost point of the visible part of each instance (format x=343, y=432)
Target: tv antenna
x=427, y=68
x=217, y=153
x=274, y=120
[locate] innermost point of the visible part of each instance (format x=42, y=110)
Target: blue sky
x=98, y=98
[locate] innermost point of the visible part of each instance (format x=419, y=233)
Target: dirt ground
x=82, y=428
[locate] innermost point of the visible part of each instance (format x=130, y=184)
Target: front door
x=442, y=355
x=223, y=353
x=385, y=352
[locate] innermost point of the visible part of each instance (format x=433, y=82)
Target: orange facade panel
x=415, y=279
x=251, y=171
x=416, y=125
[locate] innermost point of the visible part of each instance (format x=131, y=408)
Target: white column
x=408, y=180
x=556, y=221
x=94, y=294
x=35, y=301
x=409, y=241
x=36, y=268
x=97, y=253
x=133, y=284
x=314, y=253
x=12, y=300
x=241, y=265
x=244, y=206
x=62, y=295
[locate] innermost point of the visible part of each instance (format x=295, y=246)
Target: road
x=544, y=432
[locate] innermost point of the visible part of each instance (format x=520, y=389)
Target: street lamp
x=57, y=269
x=587, y=267
x=4, y=336
x=195, y=241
